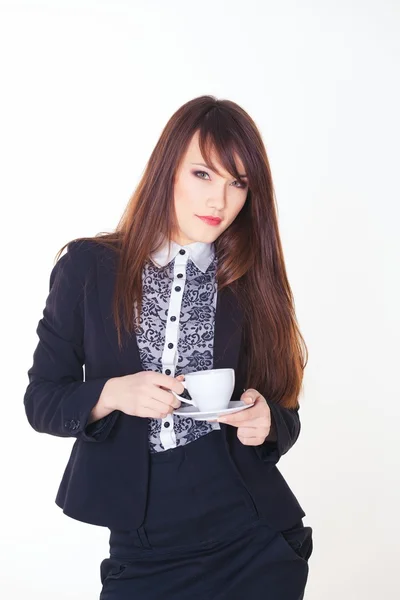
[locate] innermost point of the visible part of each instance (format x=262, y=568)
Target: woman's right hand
x=143, y=394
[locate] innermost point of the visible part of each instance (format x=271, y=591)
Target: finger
x=145, y=411
x=249, y=399
x=158, y=409
x=254, y=424
x=250, y=395
x=239, y=417
x=252, y=432
x=165, y=401
x=251, y=441
x=166, y=381
x=165, y=396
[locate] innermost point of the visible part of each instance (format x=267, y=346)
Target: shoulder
x=83, y=255
x=87, y=248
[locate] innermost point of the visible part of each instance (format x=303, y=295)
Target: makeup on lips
x=210, y=220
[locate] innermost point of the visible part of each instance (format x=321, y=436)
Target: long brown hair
x=249, y=251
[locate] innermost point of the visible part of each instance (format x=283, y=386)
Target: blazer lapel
x=128, y=358
x=228, y=330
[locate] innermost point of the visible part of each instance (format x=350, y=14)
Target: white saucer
x=191, y=411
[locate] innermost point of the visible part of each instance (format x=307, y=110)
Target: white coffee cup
x=210, y=390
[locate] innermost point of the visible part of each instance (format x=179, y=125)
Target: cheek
x=188, y=195
x=238, y=207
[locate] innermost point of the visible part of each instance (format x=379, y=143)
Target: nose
x=218, y=199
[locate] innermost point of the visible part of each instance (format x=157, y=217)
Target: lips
x=213, y=220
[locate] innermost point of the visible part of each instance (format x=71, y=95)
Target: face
x=200, y=192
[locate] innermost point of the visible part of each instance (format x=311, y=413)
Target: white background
x=86, y=88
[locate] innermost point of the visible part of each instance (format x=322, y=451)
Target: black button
x=166, y=424
x=168, y=371
x=182, y=251
x=170, y=345
x=180, y=359
x=173, y=318
x=177, y=289
x=180, y=275
x=67, y=424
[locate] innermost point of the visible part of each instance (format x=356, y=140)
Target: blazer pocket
x=299, y=540
x=111, y=568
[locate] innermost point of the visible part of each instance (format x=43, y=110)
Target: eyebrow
x=204, y=165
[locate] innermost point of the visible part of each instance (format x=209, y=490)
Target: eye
x=242, y=185
x=203, y=172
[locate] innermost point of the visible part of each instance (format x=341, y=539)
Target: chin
x=196, y=234
x=208, y=239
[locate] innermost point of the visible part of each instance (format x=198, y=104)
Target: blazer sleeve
x=57, y=401
x=285, y=429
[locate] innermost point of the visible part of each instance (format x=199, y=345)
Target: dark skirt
x=202, y=537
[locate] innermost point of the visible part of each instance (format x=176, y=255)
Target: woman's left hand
x=254, y=423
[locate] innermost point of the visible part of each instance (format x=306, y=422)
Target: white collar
x=201, y=254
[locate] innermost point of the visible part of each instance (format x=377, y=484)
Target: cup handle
x=181, y=397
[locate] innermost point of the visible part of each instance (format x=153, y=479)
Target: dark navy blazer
x=105, y=480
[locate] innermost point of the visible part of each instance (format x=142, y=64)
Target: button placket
x=170, y=351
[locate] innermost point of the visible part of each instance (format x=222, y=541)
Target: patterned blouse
x=176, y=333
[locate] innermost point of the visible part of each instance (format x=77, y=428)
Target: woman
x=195, y=508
